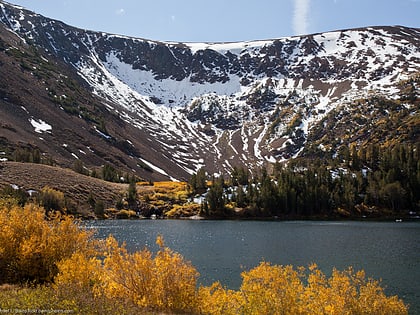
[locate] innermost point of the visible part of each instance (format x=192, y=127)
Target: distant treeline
x=30, y=155
x=371, y=181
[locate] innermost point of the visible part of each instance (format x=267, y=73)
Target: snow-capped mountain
x=219, y=105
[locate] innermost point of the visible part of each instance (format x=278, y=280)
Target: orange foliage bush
x=164, y=282
x=217, y=300
x=269, y=289
x=31, y=246
x=170, y=185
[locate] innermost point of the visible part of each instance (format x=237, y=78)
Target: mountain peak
x=214, y=105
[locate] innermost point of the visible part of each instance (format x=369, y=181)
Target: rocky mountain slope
x=164, y=110
x=78, y=188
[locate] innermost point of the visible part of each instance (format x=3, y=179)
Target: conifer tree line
x=371, y=181
x=106, y=172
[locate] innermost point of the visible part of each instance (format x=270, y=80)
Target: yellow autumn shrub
x=217, y=300
x=170, y=185
x=125, y=275
x=268, y=289
x=273, y=289
x=184, y=210
x=161, y=282
x=31, y=246
x=79, y=286
x=79, y=273
x=347, y=292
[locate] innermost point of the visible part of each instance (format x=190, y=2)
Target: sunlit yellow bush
x=171, y=185
x=125, y=214
x=347, y=292
x=144, y=184
x=171, y=190
x=31, y=246
x=163, y=282
x=166, y=196
x=185, y=210
x=78, y=285
x=181, y=195
x=80, y=273
x=269, y=289
x=217, y=300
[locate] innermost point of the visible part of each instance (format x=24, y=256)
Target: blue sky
x=225, y=20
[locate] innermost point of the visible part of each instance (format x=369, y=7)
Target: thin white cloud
x=120, y=12
x=300, y=17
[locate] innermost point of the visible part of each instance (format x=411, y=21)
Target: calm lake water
x=221, y=250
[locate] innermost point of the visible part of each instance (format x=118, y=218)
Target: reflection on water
x=220, y=250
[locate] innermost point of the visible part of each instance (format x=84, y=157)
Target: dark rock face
x=220, y=105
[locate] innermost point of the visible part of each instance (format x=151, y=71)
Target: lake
x=221, y=250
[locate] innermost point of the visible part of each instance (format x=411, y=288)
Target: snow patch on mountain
x=40, y=125
x=235, y=48
x=167, y=92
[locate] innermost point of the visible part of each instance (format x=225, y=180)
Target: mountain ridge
x=214, y=105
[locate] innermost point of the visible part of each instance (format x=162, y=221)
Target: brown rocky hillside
x=76, y=187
